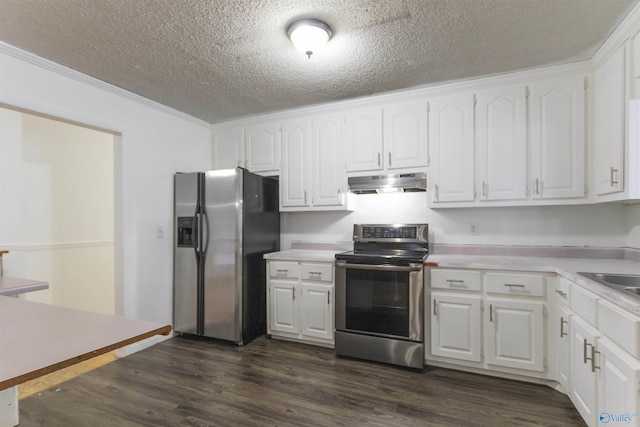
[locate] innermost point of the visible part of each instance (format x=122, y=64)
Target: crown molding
x=93, y=82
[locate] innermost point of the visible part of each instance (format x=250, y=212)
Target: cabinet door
x=502, y=143
x=558, y=138
x=294, y=179
x=515, y=334
x=228, y=148
x=284, y=307
x=451, y=142
x=584, y=383
x=405, y=135
x=262, y=147
x=456, y=326
x=618, y=385
x=317, y=311
x=563, y=347
x=363, y=140
x=609, y=125
x=329, y=179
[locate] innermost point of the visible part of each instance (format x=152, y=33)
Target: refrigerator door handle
x=205, y=232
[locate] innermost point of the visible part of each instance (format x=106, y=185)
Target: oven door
x=380, y=300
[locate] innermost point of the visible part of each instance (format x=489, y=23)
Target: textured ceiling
x=223, y=59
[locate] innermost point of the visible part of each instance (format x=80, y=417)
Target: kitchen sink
x=626, y=283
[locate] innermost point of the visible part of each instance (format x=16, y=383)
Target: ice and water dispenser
x=187, y=232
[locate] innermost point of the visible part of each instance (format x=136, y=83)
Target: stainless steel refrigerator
x=225, y=221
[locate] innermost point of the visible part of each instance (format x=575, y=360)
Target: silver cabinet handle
x=315, y=274
x=562, y=294
x=484, y=189
x=515, y=285
x=562, y=323
x=490, y=312
x=454, y=283
x=294, y=294
x=389, y=158
x=585, y=344
x=437, y=187
x=305, y=197
x=537, y=186
x=282, y=271
x=328, y=297
x=435, y=308
x=593, y=359
x=614, y=172
x=379, y=158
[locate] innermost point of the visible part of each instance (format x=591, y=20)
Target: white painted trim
x=411, y=94
x=629, y=26
x=56, y=246
x=91, y=81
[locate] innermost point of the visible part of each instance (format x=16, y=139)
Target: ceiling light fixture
x=309, y=35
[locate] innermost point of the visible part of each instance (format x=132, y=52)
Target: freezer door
x=222, y=264
x=185, y=241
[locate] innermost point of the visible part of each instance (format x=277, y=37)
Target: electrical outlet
x=160, y=232
x=473, y=229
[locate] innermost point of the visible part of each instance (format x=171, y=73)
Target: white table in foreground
x=37, y=339
x=13, y=286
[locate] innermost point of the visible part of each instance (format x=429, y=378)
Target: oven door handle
x=378, y=267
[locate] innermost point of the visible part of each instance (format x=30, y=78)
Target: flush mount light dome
x=309, y=35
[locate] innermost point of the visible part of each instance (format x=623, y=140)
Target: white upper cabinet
x=262, y=147
x=405, y=135
x=312, y=175
x=363, y=140
x=451, y=143
x=558, y=138
x=501, y=138
x=390, y=138
x=329, y=179
x=609, y=125
x=228, y=147
x=295, y=176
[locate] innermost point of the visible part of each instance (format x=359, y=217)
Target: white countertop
x=566, y=267
x=303, y=255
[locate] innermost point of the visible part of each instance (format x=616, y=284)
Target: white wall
x=154, y=143
x=56, y=184
x=602, y=225
x=633, y=224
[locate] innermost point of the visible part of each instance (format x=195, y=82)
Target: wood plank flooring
x=194, y=382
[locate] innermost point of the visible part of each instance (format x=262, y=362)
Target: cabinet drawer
x=584, y=303
x=456, y=279
x=531, y=285
x=620, y=327
x=284, y=269
x=319, y=272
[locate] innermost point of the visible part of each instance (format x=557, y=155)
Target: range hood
x=407, y=182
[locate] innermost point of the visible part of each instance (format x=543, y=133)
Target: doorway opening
x=57, y=209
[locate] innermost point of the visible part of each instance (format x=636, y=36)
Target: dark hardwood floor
x=191, y=382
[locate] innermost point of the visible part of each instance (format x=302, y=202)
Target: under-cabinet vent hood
x=406, y=182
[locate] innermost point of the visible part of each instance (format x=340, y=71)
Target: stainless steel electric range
x=379, y=305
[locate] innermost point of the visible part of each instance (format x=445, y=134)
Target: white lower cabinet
x=604, y=381
x=583, y=379
x=301, y=301
x=489, y=320
x=563, y=349
x=515, y=334
x=283, y=308
x=455, y=326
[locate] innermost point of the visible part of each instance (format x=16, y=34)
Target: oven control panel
x=370, y=232
x=390, y=232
